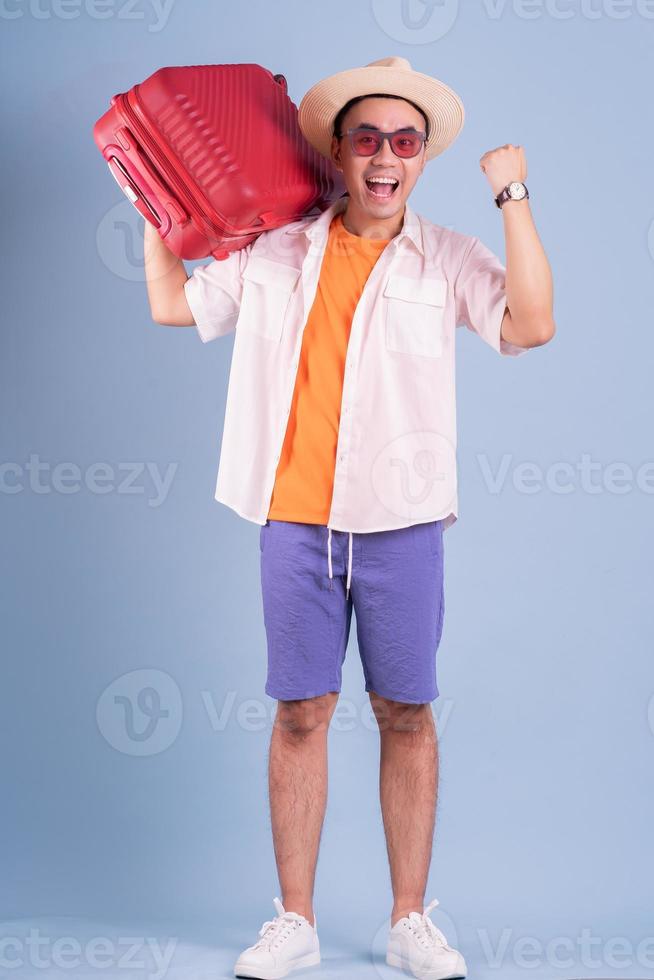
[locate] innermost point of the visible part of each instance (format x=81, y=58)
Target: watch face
x=517, y=190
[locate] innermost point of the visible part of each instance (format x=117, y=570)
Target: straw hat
x=323, y=101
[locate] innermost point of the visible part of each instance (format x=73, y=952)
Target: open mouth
x=382, y=188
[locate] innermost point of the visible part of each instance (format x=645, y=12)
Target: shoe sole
x=393, y=959
x=310, y=959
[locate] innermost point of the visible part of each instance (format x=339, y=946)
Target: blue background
x=546, y=717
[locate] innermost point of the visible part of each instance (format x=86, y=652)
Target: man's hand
x=504, y=165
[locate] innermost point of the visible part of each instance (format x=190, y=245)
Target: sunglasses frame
x=385, y=136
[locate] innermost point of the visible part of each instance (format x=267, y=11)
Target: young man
x=339, y=439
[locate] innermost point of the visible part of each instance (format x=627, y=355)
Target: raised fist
x=504, y=165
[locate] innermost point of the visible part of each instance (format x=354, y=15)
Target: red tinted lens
x=366, y=143
x=406, y=144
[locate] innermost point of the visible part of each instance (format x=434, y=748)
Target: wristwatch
x=515, y=191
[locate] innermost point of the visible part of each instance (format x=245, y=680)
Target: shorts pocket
x=428, y=537
x=267, y=288
x=437, y=534
x=441, y=612
x=415, y=311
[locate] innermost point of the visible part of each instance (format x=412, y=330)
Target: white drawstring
x=349, y=566
x=349, y=561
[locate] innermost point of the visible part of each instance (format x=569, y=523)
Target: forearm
x=165, y=277
x=529, y=319
x=529, y=290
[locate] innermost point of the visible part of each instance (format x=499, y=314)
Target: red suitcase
x=212, y=155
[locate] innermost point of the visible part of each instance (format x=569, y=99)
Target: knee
x=401, y=716
x=305, y=716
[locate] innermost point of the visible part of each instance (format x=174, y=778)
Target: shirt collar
x=318, y=228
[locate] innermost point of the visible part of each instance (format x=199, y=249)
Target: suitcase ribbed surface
x=235, y=121
x=213, y=155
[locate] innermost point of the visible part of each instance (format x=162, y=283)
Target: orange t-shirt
x=304, y=480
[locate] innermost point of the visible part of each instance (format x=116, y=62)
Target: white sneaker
x=288, y=942
x=417, y=945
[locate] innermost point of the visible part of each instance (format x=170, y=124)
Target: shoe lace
x=276, y=931
x=425, y=931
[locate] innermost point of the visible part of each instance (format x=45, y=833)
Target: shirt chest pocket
x=415, y=311
x=267, y=288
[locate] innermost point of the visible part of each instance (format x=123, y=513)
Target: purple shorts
x=312, y=577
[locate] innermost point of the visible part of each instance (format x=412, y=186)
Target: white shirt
x=396, y=452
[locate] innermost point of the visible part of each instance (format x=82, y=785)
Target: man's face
x=372, y=199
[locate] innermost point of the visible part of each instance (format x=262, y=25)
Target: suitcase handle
x=132, y=192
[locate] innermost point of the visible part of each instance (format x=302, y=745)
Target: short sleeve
x=213, y=293
x=480, y=297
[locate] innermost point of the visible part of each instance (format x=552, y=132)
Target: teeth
x=382, y=180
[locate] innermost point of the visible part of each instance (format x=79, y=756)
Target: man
x=339, y=440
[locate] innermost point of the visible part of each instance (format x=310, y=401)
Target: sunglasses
x=403, y=142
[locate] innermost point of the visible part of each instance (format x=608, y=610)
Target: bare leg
x=408, y=787
x=297, y=781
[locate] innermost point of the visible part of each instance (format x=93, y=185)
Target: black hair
x=340, y=116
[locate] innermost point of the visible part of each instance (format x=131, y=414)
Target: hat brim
x=322, y=103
